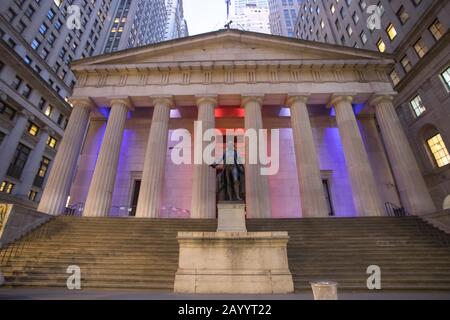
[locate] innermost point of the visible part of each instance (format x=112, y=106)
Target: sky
x=204, y=15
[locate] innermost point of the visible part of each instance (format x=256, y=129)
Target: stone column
x=312, y=195
x=98, y=202
x=32, y=166
x=204, y=185
x=57, y=188
x=257, y=195
x=10, y=143
x=413, y=191
x=365, y=194
x=149, y=201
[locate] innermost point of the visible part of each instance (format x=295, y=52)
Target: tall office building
x=176, y=26
x=35, y=79
x=416, y=33
x=240, y=5
x=251, y=15
x=252, y=18
x=134, y=23
x=283, y=15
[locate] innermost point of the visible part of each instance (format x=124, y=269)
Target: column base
x=233, y=262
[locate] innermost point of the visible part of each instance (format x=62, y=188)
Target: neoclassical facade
x=342, y=148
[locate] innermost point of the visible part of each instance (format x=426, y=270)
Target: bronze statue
x=230, y=176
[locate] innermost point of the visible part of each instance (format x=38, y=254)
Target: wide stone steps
x=130, y=253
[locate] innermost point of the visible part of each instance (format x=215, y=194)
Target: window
x=43, y=29
x=394, y=77
x=26, y=92
x=355, y=17
x=439, y=150
x=333, y=9
x=446, y=77
x=42, y=172
x=32, y=195
x=417, y=106
x=363, y=37
x=392, y=33
x=7, y=111
x=402, y=15
x=18, y=162
x=16, y=83
x=51, y=142
x=33, y=129
x=349, y=30
x=6, y=187
x=381, y=45
x=48, y=110
x=35, y=44
x=407, y=66
x=437, y=29
x=421, y=48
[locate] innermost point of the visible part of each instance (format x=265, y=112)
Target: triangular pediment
x=230, y=45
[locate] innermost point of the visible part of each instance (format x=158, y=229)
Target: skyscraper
x=251, y=15
x=416, y=33
x=134, y=23
x=37, y=46
x=176, y=26
x=283, y=14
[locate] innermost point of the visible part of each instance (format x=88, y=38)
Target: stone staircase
x=130, y=253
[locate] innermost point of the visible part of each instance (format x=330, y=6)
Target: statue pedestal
x=233, y=262
x=231, y=217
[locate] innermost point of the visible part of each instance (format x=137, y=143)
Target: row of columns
x=367, y=201
x=9, y=146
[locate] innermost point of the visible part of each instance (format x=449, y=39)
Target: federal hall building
x=348, y=194
x=342, y=150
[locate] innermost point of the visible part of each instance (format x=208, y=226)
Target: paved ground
x=58, y=294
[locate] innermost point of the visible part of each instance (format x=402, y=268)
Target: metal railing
x=421, y=226
x=393, y=210
x=15, y=248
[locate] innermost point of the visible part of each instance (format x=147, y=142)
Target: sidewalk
x=63, y=294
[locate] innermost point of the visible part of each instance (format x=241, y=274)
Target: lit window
x=32, y=195
x=446, y=77
x=6, y=187
x=322, y=24
x=333, y=9
x=392, y=33
x=439, y=150
x=48, y=110
x=394, y=77
x=437, y=29
x=421, y=48
x=33, y=129
x=406, y=64
x=51, y=142
x=381, y=45
x=417, y=106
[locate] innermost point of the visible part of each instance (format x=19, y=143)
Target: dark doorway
x=326, y=189
x=135, y=197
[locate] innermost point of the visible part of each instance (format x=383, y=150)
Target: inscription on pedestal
x=231, y=216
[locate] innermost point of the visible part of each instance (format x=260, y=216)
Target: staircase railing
x=395, y=211
x=422, y=226
x=15, y=248
x=74, y=210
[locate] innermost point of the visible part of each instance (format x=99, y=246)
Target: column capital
x=336, y=98
x=83, y=102
x=199, y=99
x=122, y=100
x=259, y=98
x=380, y=97
x=164, y=100
x=293, y=98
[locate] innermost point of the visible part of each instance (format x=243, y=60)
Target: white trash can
x=324, y=290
